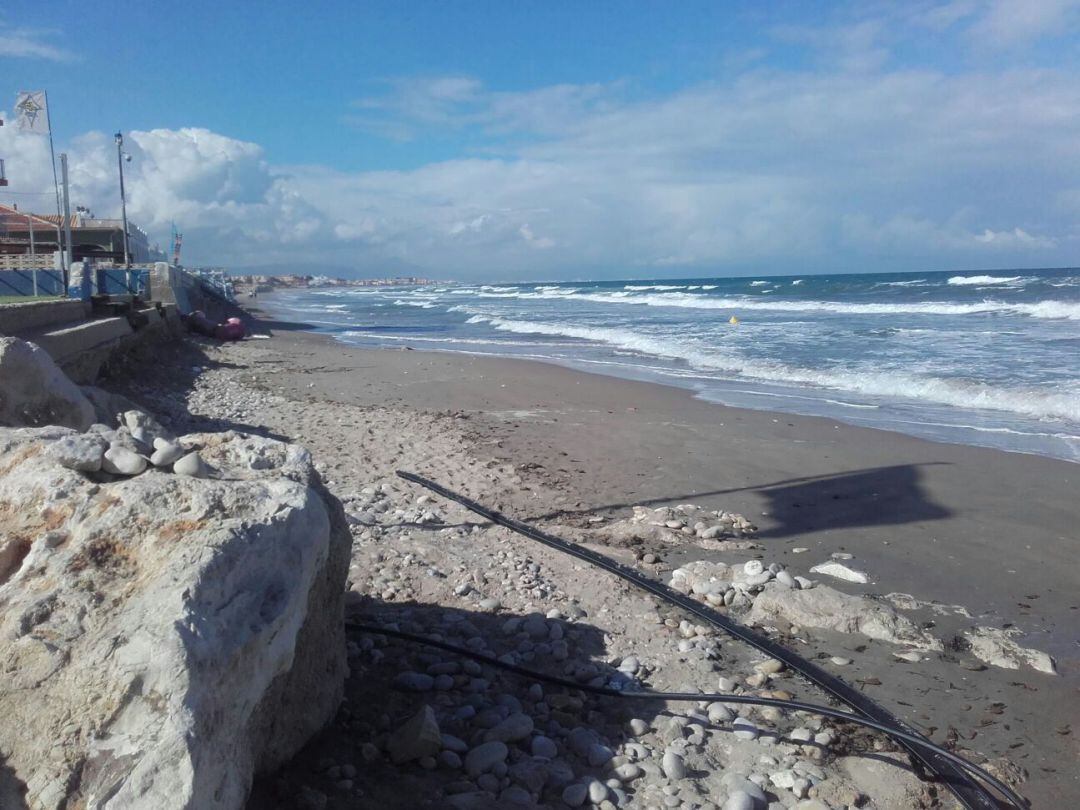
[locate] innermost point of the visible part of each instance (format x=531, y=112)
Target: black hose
x=970, y=793
x=648, y=694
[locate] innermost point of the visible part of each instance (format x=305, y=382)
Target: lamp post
x=123, y=201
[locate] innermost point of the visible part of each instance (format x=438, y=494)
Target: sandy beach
x=957, y=536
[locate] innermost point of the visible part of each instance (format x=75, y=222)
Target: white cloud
x=1011, y=23
x=29, y=43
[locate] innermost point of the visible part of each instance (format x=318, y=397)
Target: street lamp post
x=123, y=201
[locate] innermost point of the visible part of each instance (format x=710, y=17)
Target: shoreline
x=960, y=529
x=963, y=438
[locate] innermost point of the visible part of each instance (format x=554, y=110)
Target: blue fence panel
x=21, y=282
x=117, y=281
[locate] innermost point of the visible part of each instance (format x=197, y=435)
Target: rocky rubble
x=715, y=530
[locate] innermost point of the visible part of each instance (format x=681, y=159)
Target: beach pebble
x=485, y=757
x=414, y=681
x=638, y=727
x=673, y=765
x=575, y=795
x=786, y=579
x=719, y=713
x=455, y=744
x=840, y=661
x=739, y=800
x=744, y=729
x=770, y=667
x=190, y=465
x=753, y=568
x=544, y=747
x=598, y=791
x=490, y=604
x=516, y=727
x=121, y=461
x=599, y=755
x=737, y=783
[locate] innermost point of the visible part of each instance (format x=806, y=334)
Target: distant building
x=92, y=238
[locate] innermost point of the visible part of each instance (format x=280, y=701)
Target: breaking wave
x=891, y=384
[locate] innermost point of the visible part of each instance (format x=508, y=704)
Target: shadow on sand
x=879, y=496
x=375, y=705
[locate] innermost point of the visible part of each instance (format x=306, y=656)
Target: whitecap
x=976, y=280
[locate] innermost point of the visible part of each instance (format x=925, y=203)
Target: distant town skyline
x=503, y=141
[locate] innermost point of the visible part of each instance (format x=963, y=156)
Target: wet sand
x=992, y=532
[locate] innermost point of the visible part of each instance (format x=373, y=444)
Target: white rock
x=189, y=645
x=34, y=392
x=79, y=451
x=753, y=568
x=841, y=571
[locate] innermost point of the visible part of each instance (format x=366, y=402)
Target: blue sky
x=524, y=140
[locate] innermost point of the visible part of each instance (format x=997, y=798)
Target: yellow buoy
x=734, y=321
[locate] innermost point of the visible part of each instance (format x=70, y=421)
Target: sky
x=553, y=140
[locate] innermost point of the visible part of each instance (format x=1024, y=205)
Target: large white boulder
x=163, y=637
x=35, y=392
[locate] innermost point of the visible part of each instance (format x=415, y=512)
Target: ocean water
x=973, y=358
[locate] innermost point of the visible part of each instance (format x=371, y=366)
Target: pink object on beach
x=232, y=329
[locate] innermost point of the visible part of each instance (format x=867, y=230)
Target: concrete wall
x=15, y=318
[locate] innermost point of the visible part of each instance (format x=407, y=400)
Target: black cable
x=648, y=694
x=970, y=793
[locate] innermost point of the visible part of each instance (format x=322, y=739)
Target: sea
x=989, y=358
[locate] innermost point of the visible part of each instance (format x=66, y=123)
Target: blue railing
x=31, y=282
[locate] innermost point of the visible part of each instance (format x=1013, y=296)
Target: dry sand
x=993, y=534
